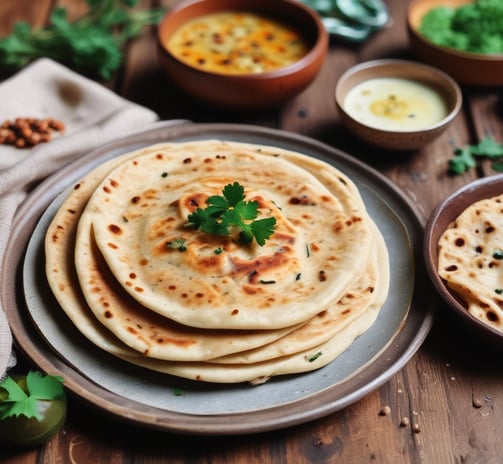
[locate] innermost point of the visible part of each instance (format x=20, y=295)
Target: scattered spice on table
x=476, y=403
x=28, y=132
x=385, y=411
x=404, y=422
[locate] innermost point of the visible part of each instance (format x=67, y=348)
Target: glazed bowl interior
x=443, y=215
x=249, y=90
x=470, y=69
x=408, y=70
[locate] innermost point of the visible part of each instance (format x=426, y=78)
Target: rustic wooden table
x=453, y=386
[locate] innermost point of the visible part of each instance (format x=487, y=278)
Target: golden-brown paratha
x=470, y=259
x=320, y=246
x=306, y=360
x=371, y=289
x=139, y=328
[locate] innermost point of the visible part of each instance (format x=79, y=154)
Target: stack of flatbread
x=215, y=309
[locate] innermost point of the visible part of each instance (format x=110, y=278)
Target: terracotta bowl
x=471, y=69
x=445, y=213
x=246, y=91
x=398, y=140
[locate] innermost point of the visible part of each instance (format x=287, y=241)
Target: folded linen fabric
x=92, y=114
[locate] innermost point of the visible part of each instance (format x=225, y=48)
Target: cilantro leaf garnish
x=488, y=147
x=38, y=387
x=231, y=212
x=466, y=157
x=462, y=161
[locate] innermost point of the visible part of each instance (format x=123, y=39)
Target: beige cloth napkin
x=93, y=115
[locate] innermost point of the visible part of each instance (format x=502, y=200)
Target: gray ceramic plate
x=153, y=400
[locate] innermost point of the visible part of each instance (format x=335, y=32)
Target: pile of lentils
x=28, y=132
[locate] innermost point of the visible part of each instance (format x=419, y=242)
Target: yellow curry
x=237, y=43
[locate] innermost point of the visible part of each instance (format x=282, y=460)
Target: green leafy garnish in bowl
x=475, y=27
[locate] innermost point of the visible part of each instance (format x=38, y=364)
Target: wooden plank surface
x=451, y=392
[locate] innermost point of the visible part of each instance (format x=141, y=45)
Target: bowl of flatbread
x=463, y=250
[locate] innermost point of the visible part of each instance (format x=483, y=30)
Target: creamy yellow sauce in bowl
x=395, y=104
x=237, y=42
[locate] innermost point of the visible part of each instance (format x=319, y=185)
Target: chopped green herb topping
x=314, y=357
x=498, y=254
x=499, y=291
x=229, y=213
x=180, y=244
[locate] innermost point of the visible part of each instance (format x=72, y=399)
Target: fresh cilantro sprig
x=466, y=157
x=39, y=387
x=231, y=213
x=91, y=44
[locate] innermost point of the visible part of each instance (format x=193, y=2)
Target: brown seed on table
x=57, y=125
x=20, y=143
x=25, y=132
x=11, y=138
x=34, y=138
x=476, y=403
x=385, y=411
x=404, y=422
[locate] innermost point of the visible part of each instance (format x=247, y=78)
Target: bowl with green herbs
x=462, y=37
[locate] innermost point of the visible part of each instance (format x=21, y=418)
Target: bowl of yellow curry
x=462, y=37
x=242, y=54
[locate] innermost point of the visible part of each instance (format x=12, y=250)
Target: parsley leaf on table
x=230, y=212
x=465, y=157
x=488, y=147
x=91, y=44
x=463, y=160
x=39, y=387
